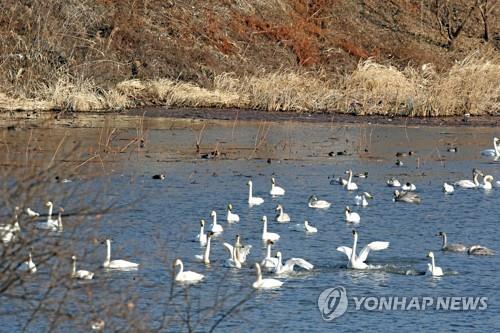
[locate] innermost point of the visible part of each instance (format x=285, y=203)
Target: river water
x=162, y=218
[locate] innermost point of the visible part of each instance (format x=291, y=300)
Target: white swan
x=201, y=237
x=253, y=201
x=31, y=212
x=269, y=261
x=80, y=274
x=233, y=261
x=238, y=253
x=241, y=251
x=360, y=200
x=187, y=276
x=50, y=224
x=432, y=269
x=309, y=228
x=393, y=182
x=276, y=190
x=215, y=228
x=319, y=204
x=358, y=262
x=8, y=232
x=28, y=266
x=487, y=183
x=466, y=183
x=116, y=264
x=479, y=250
x=350, y=216
x=287, y=268
x=49, y=216
x=350, y=186
x=232, y=217
x=447, y=188
x=205, y=256
x=408, y=197
x=341, y=181
x=495, y=152
x=282, y=217
x=268, y=235
x=409, y=187
x=261, y=283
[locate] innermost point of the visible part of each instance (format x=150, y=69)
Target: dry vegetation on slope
x=409, y=57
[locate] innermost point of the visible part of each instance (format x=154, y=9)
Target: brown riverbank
x=131, y=117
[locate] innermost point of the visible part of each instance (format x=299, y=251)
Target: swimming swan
x=28, y=266
x=215, y=228
x=205, y=257
x=408, y=197
x=479, y=250
x=269, y=261
x=261, y=283
x=80, y=274
x=393, y=182
x=287, y=268
x=233, y=261
x=31, y=212
x=465, y=183
x=116, y=264
x=341, y=181
x=350, y=186
x=358, y=262
x=241, y=251
x=187, y=276
x=447, y=188
x=350, y=216
x=238, y=253
x=487, y=182
x=9, y=231
x=232, y=217
x=493, y=152
x=276, y=190
x=282, y=216
x=319, y=204
x=432, y=269
x=52, y=225
x=451, y=247
x=201, y=237
x=268, y=235
x=360, y=200
x=409, y=187
x=309, y=228
x=253, y=201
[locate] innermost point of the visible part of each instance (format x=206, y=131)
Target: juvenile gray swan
x=405, y=196
x=451, y=247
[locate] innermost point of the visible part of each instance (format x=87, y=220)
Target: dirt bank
x=130, y=118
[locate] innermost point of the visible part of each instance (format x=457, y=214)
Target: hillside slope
x=104, y=42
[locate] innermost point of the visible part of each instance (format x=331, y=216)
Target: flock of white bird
x=10, y=232
x=238, y=252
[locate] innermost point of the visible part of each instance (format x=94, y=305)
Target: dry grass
x=12, y=104
x=377, y=89
x=471, y=86
x=281, y=91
